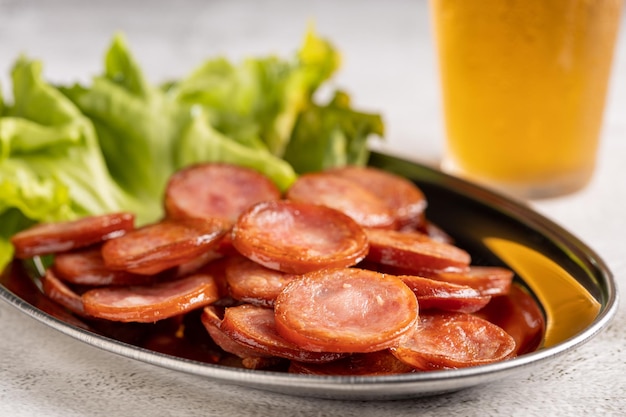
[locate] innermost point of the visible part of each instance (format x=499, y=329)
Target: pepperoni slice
x=49, y=238
x=414, y=251
x=454, y=340
x=159, y=246
x=150, y=303
x=489, y=280
x=253, y=283
x=86, y=267
x=444, y=295
x=298, y=237
x=346, y=310
x=57, y=291
x=358, y=364
x=216, y=190
x=254, y=326
x=404, y=198
x=358, y=202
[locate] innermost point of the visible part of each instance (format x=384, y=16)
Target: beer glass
x=524, y=84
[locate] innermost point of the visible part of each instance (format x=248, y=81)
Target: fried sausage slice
x=444, y=295
x=50, y=238
x=150, y=303
x=352, y=199
x=214, y=190
x=454, y=340
x=520, y=316
x=57, y=291
x=156, y=247
x=298, y=237
x=253, y=283
x=86, y=267
x=404, y=198
x=213, y=324
x=489, y=280
x=413, y=251
x=254, y=327
x=346, y=310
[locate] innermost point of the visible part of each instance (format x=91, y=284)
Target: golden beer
x=524, y=87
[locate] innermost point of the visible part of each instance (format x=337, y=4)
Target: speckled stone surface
x=388, y=67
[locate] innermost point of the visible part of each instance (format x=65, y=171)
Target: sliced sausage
x=159, y=246
x=214, y=190
x=250, y=358
x=86, y=267
x=199, y=262
x=358, y=202
x=298, y=237
x=414, y=252
x=50, y=238
x=213, y=324
x=150, y=303
x=17, y=279
x=217, y=269
x=405, y=200
x=346, y=310
x=254, y=327
x=253, y=283
x=444, y=295
x=454, y=340
x=520, y=316
x=489, y=280
x=60, y=293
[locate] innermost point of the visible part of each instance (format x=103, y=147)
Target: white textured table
x=388, y=67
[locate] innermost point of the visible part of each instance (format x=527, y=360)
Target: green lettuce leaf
x=331, y=136
x=258, y=102
x=201, y=142
x=135, y=123
x=147, y=134
x=51, y=166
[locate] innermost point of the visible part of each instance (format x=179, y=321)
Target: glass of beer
x=524, y=87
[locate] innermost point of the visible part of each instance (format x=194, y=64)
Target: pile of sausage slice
x=341, y=270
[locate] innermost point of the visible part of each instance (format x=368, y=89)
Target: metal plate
x=571, y=282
